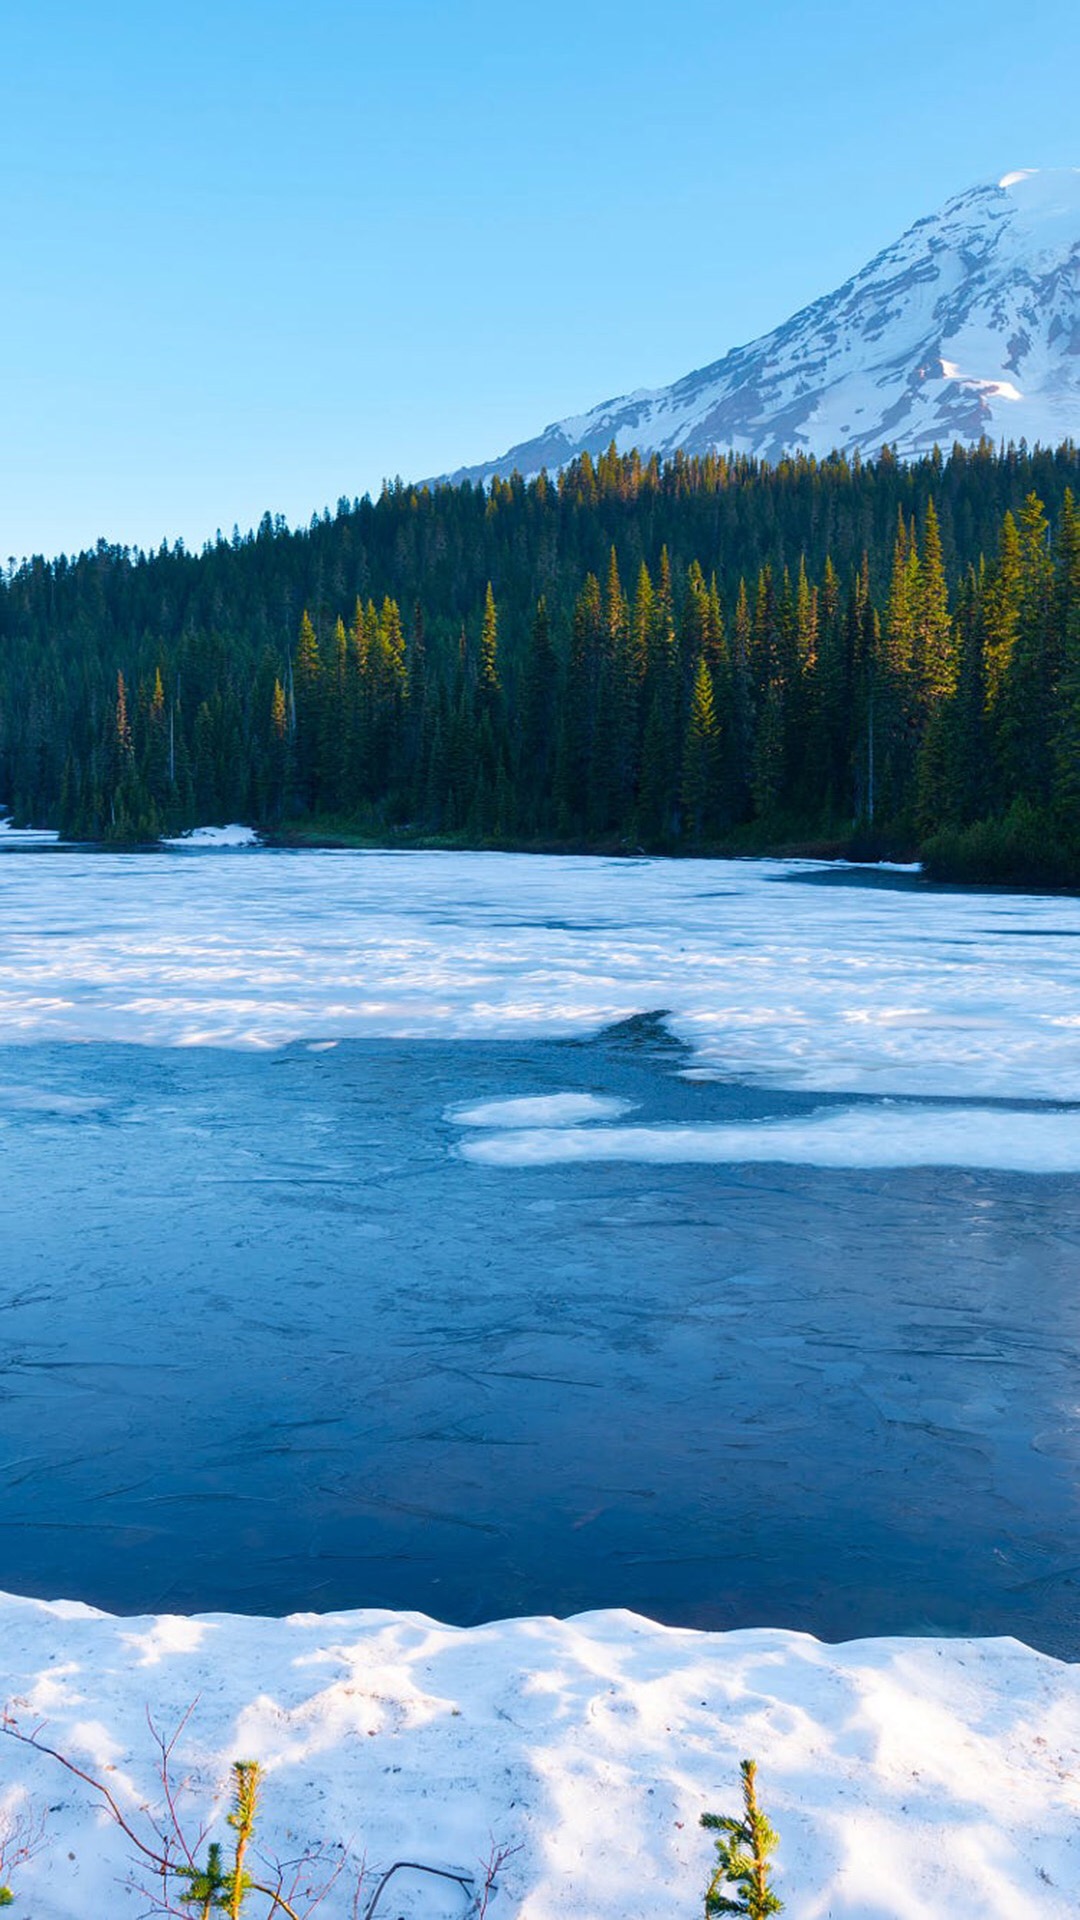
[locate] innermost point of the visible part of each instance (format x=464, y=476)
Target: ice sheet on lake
x=866, y=1136
x=851, y=988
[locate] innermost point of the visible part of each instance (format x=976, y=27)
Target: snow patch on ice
x=231, y=836
x=13, y=836
x=910, y=1136
x=542, y=1110
x=905, y=1777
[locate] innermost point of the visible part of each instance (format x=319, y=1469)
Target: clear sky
x=262, y=255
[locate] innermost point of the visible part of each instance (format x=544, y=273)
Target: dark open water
x=267, y=1342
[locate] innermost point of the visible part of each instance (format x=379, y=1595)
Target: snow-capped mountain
x=968, y=325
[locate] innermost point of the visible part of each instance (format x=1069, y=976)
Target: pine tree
x=122, y=730
x=742, y=698
x=1066, y=723
x=700, y=754
x=1025, y=706
x=743, y=1858
x=954, y=776
x=611, y=759
x=538, y=737
x=575, y=747
x=641, y=624
x=933, y=649
x=1002, y=609
x=308, y=682
x=659, y=781
x=488, y=677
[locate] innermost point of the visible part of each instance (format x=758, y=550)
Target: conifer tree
x=575, y=746
x=743, y=1856
x=538, y=738
x=278, y=757
x=954, y=777
x=943, y=684
x=1066, y=725
x=1026, y=701
x=488, y=677
x=1002, y=609
x=308, y=679
x=933, y=648
x=699, y=773
x=611, y=760
x=658, y=796
x=122, y=730
x=742, y=699
x=641, y=624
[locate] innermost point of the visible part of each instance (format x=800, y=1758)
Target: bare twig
x=172, y=1853
x=22, y=1835
x=498, y=1855
x=13, y=1731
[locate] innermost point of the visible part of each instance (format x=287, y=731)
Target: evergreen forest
x=708, y=655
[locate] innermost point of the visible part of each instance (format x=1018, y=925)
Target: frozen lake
x=689, y=1328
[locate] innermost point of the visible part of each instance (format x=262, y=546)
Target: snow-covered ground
x=908, y=1779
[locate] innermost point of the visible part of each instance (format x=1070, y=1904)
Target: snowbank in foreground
x=908, y=1778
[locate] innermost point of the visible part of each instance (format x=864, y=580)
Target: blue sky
x=259, y=256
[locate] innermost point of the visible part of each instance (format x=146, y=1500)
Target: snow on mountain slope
x=968, y=325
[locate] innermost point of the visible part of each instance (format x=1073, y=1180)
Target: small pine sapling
x=215, y=1888
x=208, y=1886
x=743, y=1854
x=247, y=1778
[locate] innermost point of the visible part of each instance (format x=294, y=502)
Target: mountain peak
x=966, y=326
x=1043, y=186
